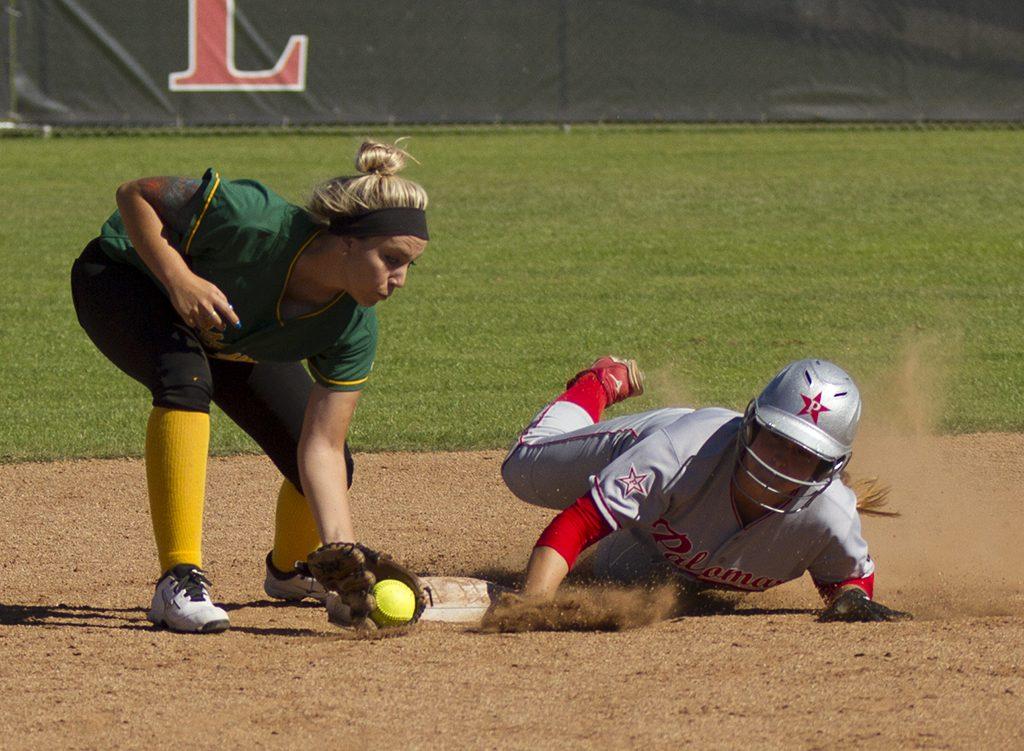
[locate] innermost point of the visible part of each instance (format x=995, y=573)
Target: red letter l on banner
x=211, y=56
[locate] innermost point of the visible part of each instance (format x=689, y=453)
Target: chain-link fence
x=157, y=64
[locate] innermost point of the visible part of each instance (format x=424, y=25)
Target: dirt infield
x=81, y=668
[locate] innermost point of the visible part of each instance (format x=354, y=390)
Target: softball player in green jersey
x=217, y=290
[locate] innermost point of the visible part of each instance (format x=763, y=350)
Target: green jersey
x=246, y=239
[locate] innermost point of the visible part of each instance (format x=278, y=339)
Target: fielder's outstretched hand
x=348, y=572
x=853, y=605
x=341, y=568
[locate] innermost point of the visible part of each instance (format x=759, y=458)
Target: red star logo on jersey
x=813, y=406
x=634, y=482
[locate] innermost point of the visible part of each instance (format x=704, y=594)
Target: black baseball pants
x=132, y=322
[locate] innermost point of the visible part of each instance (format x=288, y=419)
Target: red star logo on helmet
x=813, y=406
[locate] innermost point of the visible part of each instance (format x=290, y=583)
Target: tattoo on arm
x=174, y=198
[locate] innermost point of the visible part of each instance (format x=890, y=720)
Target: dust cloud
x=584, y=608
x=955, y=548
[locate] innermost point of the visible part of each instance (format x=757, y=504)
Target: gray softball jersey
x=673, y=487
x=661, y=480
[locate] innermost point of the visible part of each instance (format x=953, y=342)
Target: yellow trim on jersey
x=287, y=278
x=192, y=234
x=331, y=381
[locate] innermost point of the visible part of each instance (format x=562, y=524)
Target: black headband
x=383, y=222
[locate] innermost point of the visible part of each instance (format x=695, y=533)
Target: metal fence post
x=12, y=59
x=563, y=59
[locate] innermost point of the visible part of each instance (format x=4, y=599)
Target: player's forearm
x=544, y=573
x=146, y=231
x=325, y=485
x=570, y=533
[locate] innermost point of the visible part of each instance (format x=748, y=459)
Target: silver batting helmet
x=815, y=405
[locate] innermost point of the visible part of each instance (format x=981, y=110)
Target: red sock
x=588, y=393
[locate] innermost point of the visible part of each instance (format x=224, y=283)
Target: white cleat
x=291, y=585
x=182, y=603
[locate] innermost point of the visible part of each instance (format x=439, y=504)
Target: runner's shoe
x=291, y=585
x=182, y=602
x=619, y=378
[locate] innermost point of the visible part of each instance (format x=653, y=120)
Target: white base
x=458, y=599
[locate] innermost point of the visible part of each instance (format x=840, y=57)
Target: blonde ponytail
x=872, y=494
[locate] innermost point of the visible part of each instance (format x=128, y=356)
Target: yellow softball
x=396, y=603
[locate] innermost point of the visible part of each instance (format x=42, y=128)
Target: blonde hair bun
x=376, y=187
x=382, y=159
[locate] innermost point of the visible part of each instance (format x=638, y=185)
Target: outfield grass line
x=714, y=256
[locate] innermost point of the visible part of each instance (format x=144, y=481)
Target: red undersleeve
x=575, y=529
x=828, y=591
x=588, y=393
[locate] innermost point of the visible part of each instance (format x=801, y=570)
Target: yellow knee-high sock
x=177, y=444
x=295, y=533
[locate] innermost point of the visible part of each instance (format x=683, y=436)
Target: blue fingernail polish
x=238, y=325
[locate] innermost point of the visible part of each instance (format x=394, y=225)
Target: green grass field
x=712, y=255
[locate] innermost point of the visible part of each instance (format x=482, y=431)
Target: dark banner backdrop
x=205, y=62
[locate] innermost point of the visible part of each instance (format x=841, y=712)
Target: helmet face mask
x=809, y=486
x=812, y=408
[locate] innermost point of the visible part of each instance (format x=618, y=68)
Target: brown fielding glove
x=854, y=605
x=350, y=570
